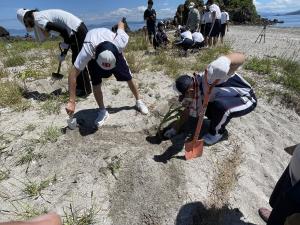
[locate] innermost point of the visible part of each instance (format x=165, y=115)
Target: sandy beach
x=112, y=172
x=280, y=42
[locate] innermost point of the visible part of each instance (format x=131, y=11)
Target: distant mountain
x=293, y=13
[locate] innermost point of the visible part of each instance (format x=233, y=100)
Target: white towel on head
x=295, y=166
x=39, y=34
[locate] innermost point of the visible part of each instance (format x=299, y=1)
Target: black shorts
x=203, y=29
x=198, y=45
x=223, y=29
x=207, y=29
x=186, y=44
x=151, y=29
x=121, y=71
x=216, y=29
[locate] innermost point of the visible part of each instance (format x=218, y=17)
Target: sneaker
x=142, y=107
x=210, y=139
x=264, y=213
x=102, y=117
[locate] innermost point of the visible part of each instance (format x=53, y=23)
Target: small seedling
x=115, y=91
x=33, y=189
x=50, y=134
x=51, y=106
x=114, y=166
x=30, y=127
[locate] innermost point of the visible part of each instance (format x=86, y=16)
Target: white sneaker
x=102, y=117
x=142, y=107
x=210, y=139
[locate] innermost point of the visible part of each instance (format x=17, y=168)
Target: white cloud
x=277, y=5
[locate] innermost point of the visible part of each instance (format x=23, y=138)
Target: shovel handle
x=204, y=107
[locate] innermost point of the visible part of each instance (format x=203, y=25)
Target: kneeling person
x=198, y=40
x=160, y=39
x=186, y=40
x=102, y=52
x=231, y=97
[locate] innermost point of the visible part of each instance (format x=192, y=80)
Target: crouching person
x=198, y=40
x=231, y=97
x=160, y=39
x=102, y=52
x=186, y=40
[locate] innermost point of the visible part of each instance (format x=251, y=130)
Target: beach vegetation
x=14, y=60
x=10, y=94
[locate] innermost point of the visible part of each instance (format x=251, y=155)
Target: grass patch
x=29, y=157
x=136, y=64
x=33, y=189
x=260, y=66
x=28, y=212
x=50, y=134
x=30, y=73
x=169, y=64
x=10, y=94
x=3, y=73
x=30, y=127
x=51, y=106
x=14, y=60
x=74, y=216
x=205, y=57
x=137, y=42
x=4, y=175
x=23, y=106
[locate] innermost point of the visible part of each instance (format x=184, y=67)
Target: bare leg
x=210, y=41
x=215, y=41
x=133, y=89
x=49, y=219
x=98, y=96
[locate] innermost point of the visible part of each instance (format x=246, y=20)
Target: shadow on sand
x=196, y=213
x=178, y=141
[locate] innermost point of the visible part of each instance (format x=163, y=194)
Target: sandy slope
x=115, y=164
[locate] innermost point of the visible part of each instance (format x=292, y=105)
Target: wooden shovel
x=194, y=148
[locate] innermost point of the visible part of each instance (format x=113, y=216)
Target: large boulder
x=3, y=32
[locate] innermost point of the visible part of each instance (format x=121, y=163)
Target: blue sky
x=97, y=11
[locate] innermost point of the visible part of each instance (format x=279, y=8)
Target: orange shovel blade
x=193, y=149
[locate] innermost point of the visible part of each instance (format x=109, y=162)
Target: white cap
x=106, y=60
x=218, y=69
x=192, y=5
x=295, y=166
x=20, y=15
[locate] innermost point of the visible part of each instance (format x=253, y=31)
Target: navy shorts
x=223, y=29
x=216, y=29
x=207, y=29
x=121, y=71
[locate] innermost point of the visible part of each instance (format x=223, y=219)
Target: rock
x=3, y=32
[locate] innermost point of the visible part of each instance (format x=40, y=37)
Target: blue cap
x=183, y=83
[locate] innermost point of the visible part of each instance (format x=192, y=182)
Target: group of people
x=203, y=27
x=98, y=54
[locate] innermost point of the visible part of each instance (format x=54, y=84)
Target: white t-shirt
x=93, y=39
x=63, y=18
x=224, y=17
x=186, y=35
x=197, y=37
x=215, y=8
x=207, y=17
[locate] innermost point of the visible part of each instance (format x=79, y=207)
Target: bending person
x=70, y=28
x=102, y=52
x=232, y=96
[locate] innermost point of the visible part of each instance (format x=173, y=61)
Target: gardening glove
x=64, y=46
x=170, y=133
x=218, y=70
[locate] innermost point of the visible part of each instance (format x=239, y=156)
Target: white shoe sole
x=101, y=123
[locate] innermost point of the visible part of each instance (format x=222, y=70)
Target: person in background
x=193, y=21
x=186, y=40
x=70, y=28
x=150, y=18
x=232, y=97
x=202, y=21
x=208, y=23
x=102, y=52
x=216, y=23
x=198, y=40
x=224, y=24
x=160, y=39
x=285, y=198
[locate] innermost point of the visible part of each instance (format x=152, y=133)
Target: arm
x=237, y=59
x=60, y=29
x=72, y=90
